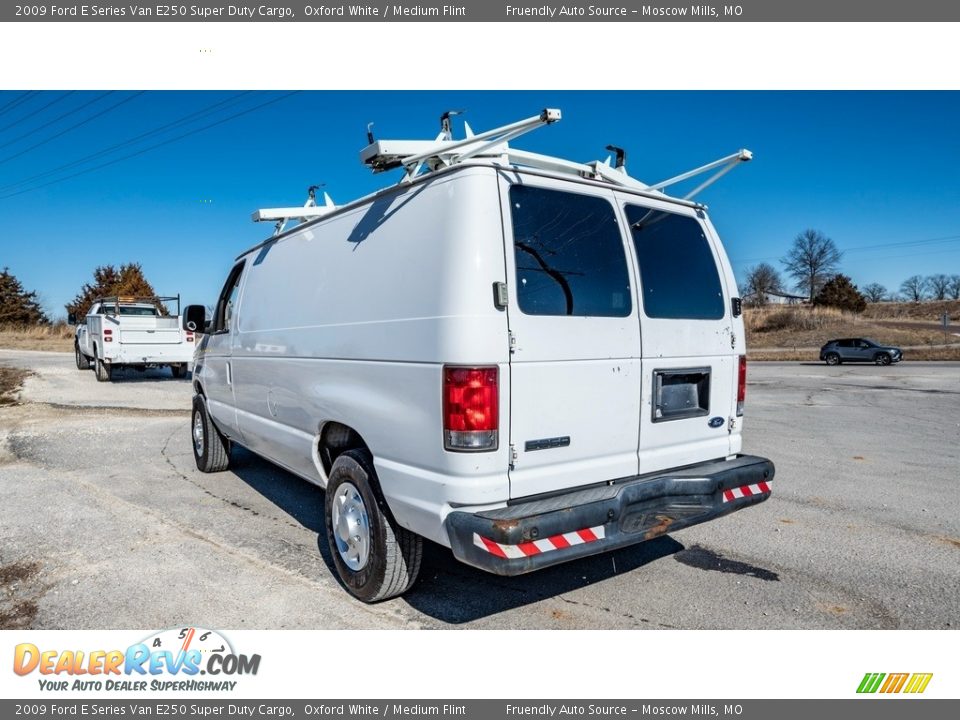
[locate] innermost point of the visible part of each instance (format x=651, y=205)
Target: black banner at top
x=487, y=11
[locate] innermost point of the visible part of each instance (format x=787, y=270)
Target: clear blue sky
x=868, y=169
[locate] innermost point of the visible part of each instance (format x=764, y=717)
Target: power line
x=946, y=238
x=56, y=119
x=153, y=147
x=17, y=101
x=73, y=127
x=881, y=246
x=107, y=150
x=37, y=111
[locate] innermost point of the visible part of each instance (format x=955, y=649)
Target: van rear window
x=569, y=254
x=677, y=269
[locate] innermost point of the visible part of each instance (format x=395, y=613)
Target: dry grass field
x=57, y=337
x=796, y=333
x=928, y=311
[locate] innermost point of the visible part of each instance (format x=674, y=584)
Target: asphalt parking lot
x=106, y=523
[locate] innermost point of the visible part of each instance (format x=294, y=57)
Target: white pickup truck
x=132, y=332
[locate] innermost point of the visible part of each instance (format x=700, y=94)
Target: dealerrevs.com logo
x=168, y=660
x=910, y=683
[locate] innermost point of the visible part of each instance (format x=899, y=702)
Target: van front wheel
x=211, y=449
x=375, y=558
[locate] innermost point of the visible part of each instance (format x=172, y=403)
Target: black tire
x=179, y=370
x=832, y=359
x=211, y=449
x=882, y=358
x=394, y=553
x=83, y=362
x=103, y=370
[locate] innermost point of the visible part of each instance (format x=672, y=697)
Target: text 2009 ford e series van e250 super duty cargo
x=522, y=358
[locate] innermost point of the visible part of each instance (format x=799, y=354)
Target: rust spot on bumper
x=663, y=526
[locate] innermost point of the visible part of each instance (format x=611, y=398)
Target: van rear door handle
x=229, y=374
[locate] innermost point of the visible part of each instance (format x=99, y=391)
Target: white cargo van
x=524, y=359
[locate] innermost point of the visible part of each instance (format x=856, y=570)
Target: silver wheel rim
x=198, y=438
x=351, y=526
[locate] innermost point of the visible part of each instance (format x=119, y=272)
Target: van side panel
x=319, y=340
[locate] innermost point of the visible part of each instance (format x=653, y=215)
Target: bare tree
x=914, y=288
x=955, y=287
x=938, y=285
x=874, y=292
x=813, y=259
x=762, y=280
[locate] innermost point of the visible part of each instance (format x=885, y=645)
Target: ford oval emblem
x=716, y=422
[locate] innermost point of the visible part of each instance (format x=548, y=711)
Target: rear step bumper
x=537, y=532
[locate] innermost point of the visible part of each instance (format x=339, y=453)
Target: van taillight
x=189, y=337
x=471, y=412
x=741, y=384
x=107, y=331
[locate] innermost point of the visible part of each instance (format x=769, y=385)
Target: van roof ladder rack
x=444, y=151
x=308, y=211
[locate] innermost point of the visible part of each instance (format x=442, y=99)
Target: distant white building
x=775, y=298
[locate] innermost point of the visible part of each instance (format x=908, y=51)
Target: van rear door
x=689, y=366
x=575, y=336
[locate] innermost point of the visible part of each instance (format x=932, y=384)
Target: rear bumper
x=538, y=532
x=149, y=354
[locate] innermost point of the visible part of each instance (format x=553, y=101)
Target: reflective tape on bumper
x=760, y=488
x=535, y=547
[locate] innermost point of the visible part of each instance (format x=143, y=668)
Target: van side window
x=677, y=269
x=569, y=254
x=227, y=303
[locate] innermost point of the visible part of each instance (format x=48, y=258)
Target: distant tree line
x=19, y=306
x=813, y=262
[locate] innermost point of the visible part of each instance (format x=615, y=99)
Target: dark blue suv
x=859, y=350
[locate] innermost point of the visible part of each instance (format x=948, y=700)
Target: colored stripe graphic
x=535, y=547
x=918, y=683
x=895, y=683
x=759, y=488
x=870, y=682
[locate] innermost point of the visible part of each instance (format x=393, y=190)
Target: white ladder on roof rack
x=444, y=151
x=308, y=211
x=416, y=155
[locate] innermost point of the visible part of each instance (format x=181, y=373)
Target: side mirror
x=71, y=318
x=194, y=319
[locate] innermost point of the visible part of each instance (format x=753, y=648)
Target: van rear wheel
x=211, y=449
x=178, y=370
x=375, y=558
